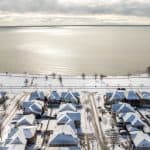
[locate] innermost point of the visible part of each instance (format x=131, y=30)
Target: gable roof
x=129, y=117
x=137, y=122
x=64, y=148
x=145, y=95
x=54, y=96
x=29, y=131
x=13, y=147
x=16, y=136
x=76, y=94
x=63, y=119
x=34, y=108
x=118, y=95
x=75, y=116
x=62, y=139
x=70, y=97
x=26, y=120
x=64, y=135
x=67, y=107
x=37, y=95
x=131, y=129
x=140, y=139
x=132, y=95
x=63, y=95
x=28, y=103
x=122, y=108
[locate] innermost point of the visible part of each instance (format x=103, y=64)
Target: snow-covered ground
x=17, y=82
x=23, y=83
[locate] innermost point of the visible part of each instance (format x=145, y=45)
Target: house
x=107, y=96
x=129, y=117
x=16, y=136
x=75, y=116
x=54, y=98
x=117, y=96
x=27, y=120
x=122, y=108
x=133, y=119
x=63, y=95
x=68, y=97
x=29, y=133
x=140, y=140
x=145, y=99
x=138, y=123
x=132, y=98
x=67, y=107
x=35, y=109
x=13, y=147
x=130, y=128
x=63, y=119
x=64, y=148
x=63, y=136
x=28, y=103
x=76, y=94
x=38, y=95
x=22, y=135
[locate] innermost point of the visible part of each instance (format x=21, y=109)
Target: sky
x=53, y=12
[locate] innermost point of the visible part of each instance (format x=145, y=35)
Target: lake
x=73, y=50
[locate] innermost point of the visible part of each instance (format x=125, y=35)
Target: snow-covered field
x=17, y=82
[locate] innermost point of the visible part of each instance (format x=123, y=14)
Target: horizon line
x=69, y=25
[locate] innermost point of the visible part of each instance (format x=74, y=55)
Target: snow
x=74, y=86
x=67, y=107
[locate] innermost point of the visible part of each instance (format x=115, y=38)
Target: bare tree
x=46, y=77
x=83, y=76
x=60, y=80
x=53, y=75
x=148, y=70
x=26, y=81
x=95, y=76
x=129, y=75
x=102, y=77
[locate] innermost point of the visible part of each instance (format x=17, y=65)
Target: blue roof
x=55, y=96
x=76, y=94
x=37, y=95
x=63, y=94
x=132, y=95
x=115, y=107
x=109, y=94
x=131, y=129
x=118, y=95
x=70, y=97
x=145, y=95
x=2, y=93
x=122, y=108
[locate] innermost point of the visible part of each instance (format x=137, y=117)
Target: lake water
x=73, y=50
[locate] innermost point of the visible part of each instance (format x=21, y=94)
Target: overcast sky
x=17, y=12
